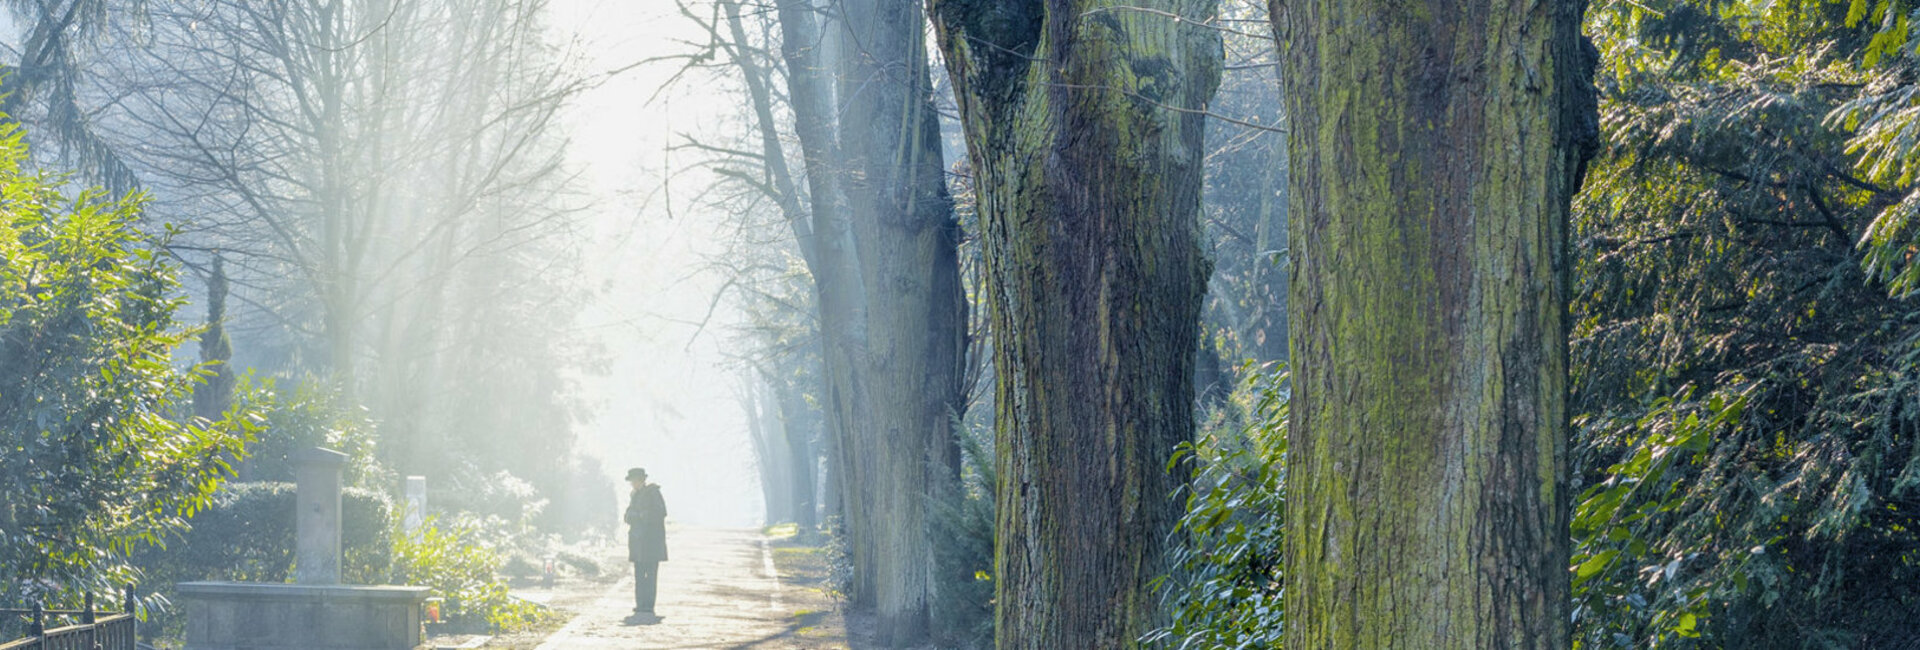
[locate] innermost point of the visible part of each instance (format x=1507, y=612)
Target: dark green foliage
x=963, y=548
x=311, y=413
x=1224, y=591
x=1743, y=347
x=98, y=453
x=215, y=396
x=246, y=533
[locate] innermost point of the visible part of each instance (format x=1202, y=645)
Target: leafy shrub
x=839, y=559
x=99, y=454
x=582, y=563
x=520, y=564
x=1225, y=586
x=247, y=534
x=1635, y=582
x=311, y=413
x=963, y=548
x=451, y=556
x=514, y=502
x=1744, y=337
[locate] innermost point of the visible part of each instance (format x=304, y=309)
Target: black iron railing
x=87, y=630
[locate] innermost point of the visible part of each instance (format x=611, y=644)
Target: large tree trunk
x=1434, y=150
x=828, y=246
x=879, y=240
x=1082, y=124
x=904, y=230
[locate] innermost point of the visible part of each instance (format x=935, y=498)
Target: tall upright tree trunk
x=1435, y=145
x=800, y=426
x=800, y=219
x=879, y=238
x=830, y=252
x=1083, y=125
x=770, y=452
x=904, y=229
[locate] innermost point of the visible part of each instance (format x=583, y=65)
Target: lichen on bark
x=1432, y=165
x=1083, y=125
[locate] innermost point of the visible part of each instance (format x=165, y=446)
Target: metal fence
x=88, y=630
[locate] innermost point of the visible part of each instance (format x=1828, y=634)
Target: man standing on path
x=646, y=540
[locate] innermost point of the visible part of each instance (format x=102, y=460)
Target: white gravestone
x=416, y=515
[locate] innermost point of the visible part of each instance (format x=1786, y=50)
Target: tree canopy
x=1744, y=340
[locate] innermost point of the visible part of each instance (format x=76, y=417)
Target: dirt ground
x=724, y=588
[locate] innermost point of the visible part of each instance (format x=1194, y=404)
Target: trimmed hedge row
x=247, y=534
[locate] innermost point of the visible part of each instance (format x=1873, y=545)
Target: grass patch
x=801, y=560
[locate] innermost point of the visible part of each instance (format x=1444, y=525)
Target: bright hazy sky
x=667, y=403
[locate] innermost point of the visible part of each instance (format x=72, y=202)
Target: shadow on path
x=718, y=591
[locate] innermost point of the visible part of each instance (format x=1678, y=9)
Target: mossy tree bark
x=1083, y=123
x=1435, y=145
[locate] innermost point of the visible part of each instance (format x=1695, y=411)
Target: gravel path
x=720, y=590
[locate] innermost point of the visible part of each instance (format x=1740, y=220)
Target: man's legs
x=646, y=581
x=639, y=586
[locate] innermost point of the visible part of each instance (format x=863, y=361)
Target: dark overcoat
x=647, y=525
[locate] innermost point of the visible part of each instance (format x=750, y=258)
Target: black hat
x=636, y=474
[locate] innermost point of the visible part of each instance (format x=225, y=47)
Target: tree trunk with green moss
x=1434, y=148
x=1083, y=126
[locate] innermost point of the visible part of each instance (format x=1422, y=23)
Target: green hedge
x=246, y=534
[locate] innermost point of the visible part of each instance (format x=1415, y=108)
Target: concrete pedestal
x=318, y=613
x=316, y=528
x=254, y=616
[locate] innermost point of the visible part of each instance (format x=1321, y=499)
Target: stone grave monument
x=316, y=612
x=415, y=515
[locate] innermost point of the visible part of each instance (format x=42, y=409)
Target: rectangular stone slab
x=253, y=616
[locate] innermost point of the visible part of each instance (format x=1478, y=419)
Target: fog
x=666, y=402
